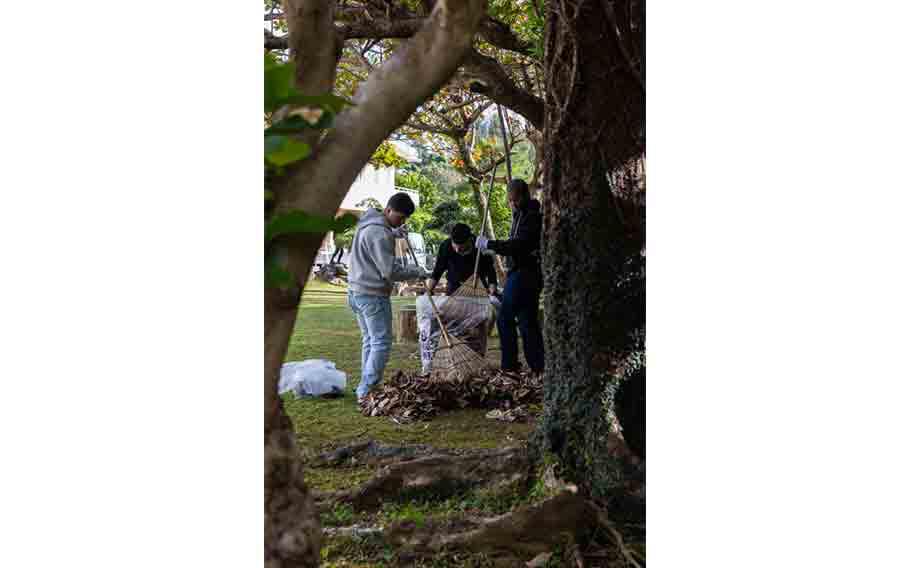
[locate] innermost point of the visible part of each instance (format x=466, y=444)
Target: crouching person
x=457, y=260
x=373, y=271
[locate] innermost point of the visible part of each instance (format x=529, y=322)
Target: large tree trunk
x=317, y=185
x=593, y=195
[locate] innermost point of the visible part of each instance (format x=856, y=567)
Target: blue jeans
x=374, y=316
x=520, y=299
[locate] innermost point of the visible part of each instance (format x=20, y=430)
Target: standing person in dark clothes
x=521, y=295
x=456, y=260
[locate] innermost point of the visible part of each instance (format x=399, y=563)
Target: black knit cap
x=461, y=234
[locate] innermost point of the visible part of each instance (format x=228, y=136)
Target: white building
x=378, y=184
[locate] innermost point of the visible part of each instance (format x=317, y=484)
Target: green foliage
x=279, y=79
x=424, y=186
x=280, y=90
x=423, y=220
x=386, y=156
x=445, y=215
x=306, y=113
x=303, y=222
x=282, y=150
x=345, y=239
x=341, y=515
x=441, y=174
x=525, y=18
x=407, y=512
x=500, y=212
x=523, y=160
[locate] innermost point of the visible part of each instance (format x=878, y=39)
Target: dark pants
x=520, y=300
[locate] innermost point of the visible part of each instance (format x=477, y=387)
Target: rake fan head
x=472, y=288
x=457, y=362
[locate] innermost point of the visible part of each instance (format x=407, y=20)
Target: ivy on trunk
x=593, y=195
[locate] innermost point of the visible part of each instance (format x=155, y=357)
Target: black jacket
x=459, y=268
x=523, y=246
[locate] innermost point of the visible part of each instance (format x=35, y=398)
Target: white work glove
x=495, y=301
x=481, y=243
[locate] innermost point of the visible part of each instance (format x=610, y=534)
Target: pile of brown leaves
x=409, y=397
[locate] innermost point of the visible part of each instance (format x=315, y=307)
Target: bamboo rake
x=456, y=360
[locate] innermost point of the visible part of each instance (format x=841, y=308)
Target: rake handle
x=445, y=334
x=483, y=220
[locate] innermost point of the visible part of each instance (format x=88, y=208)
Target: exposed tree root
x=529, y=530
x=617, y=537
x=371, y=452
x=439, y=474
x=511, y=539
x=561, y=522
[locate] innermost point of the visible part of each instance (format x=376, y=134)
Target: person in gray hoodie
x=370, y=279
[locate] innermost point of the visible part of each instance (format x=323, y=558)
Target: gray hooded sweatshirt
x=373, y=265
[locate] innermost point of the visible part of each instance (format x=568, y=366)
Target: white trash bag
x=313, y=377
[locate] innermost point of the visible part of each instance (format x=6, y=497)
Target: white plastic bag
x=313, y=377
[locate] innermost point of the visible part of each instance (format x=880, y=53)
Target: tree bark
x=594, y=136
x=317, y=185
x=500, y=88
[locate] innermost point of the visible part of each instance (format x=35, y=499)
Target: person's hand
x=400, y=232
x=492, y=289
x=481, y=243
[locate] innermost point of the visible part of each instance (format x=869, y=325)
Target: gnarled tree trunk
x=593, y=221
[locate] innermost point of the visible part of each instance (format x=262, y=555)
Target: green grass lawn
x=326, y=329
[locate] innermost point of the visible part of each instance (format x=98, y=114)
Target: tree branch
x=417, y=124
x=316, y=51
x=501, y=35
x=619, y=35
x=379, y=29
x=393, y=91
x=457, y=106
x=479, y=111
x=274, y=42
x=360, y=23
x=498, y=86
